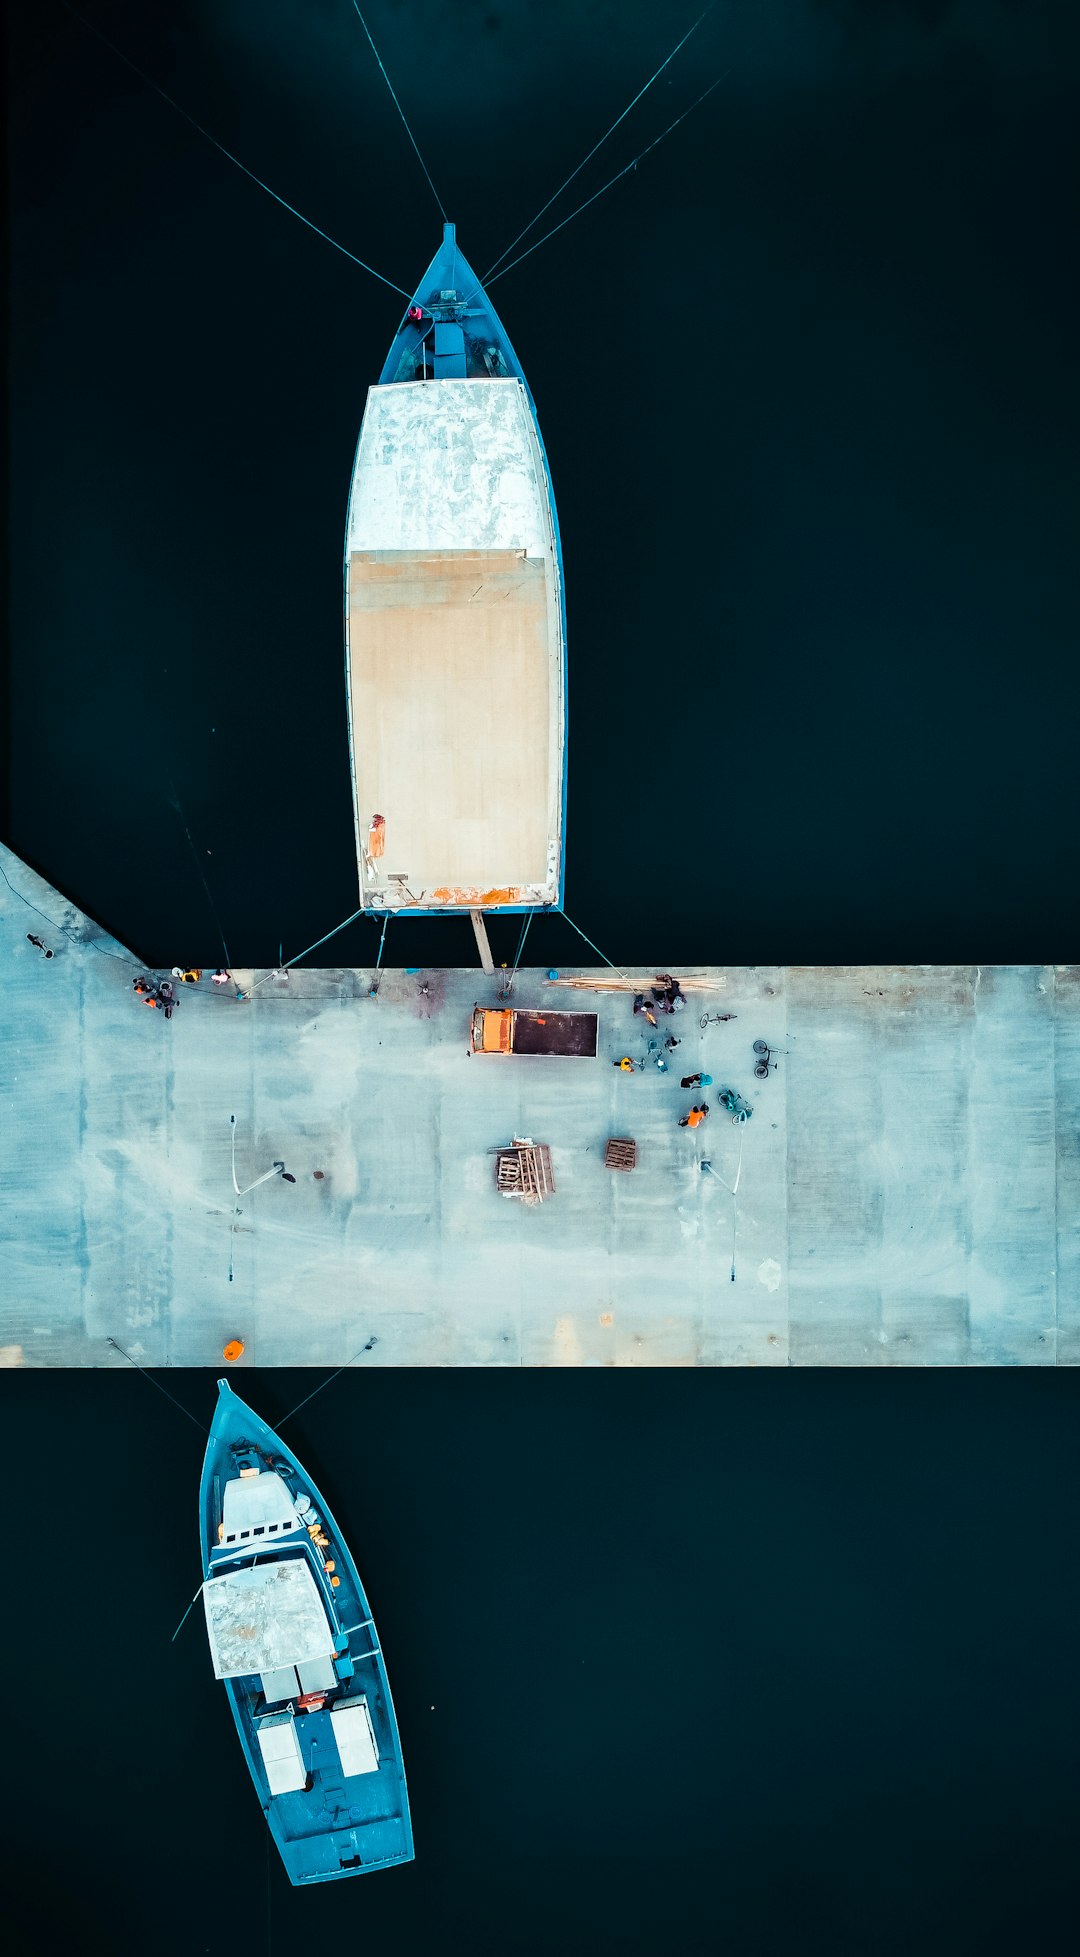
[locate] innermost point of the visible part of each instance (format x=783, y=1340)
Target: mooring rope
x=401, y=112
x=155, y=1382
x=509, y=986
x=199, y=867
x=378, y=961
x=319, y=941
x=612, y=180
x=366, y=1347
x=90, y=944
x=610, y=132
x=592, y=947
x=188, y=1612
x=156, y=86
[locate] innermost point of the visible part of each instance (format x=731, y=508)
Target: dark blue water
x=807, y=384
x=682, y=1662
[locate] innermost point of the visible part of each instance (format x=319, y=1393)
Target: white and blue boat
x=293, y=1641
x=455, y=624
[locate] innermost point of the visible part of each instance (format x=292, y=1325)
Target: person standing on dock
x=668, y=993
x=695, y=1117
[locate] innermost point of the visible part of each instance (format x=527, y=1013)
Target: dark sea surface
x=683, y=1662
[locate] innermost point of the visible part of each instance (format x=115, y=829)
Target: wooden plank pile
x=524, y=1170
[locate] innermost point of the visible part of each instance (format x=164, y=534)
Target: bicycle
x=739, y=1110
x=715, y=1018
x=765, y=1058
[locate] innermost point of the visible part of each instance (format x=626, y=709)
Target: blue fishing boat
x=292, y=1639
x=455, y=625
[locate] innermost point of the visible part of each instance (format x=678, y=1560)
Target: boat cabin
x=256, y=1505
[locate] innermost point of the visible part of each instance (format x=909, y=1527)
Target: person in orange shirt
x=695, y=1117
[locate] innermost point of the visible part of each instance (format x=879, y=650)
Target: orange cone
x=232, y=1349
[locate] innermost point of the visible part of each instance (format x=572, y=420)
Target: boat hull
x=341, y=1823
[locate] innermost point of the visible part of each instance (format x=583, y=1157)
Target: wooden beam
x=482, y=945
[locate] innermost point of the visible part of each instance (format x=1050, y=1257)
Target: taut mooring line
x=612, y=180
x=366, y=1347
x=402, y=114
x=592, y=947
x=509, y=986
x=199, y=867
x=319, y=941
x=187, y=1613
x=610, y=132
x=156, y=86
x=155, y=1382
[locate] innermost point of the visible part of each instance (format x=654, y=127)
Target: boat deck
x=339, y=1800
x=909, y=1189
x=451, y=682
x=454, y=651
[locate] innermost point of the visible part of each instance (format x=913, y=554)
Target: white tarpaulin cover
x=281, y=1754
x=266, y=1617
x=355, y=1738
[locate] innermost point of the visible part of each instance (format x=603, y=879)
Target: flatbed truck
x=497, y=1029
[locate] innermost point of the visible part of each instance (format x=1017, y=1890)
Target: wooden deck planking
x=454, y=684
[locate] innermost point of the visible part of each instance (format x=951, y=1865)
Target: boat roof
x=256, y=1502
x=449, y=465
x=265, y=1617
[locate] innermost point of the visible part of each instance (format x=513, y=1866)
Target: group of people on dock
x=667, y=996
x=161, y=993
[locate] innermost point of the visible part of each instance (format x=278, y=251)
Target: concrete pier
x=907, y=1189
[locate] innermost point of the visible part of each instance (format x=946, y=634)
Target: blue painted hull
x=338, y=1825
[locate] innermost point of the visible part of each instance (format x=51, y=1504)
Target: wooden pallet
x=620, y=1154
x=524, y=1169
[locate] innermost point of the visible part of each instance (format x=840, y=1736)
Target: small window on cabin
x=244, y=1534
x=259, y=1529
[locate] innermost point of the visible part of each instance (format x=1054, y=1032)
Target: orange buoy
x=232, y=1349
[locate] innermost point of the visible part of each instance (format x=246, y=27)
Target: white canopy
x=264, y=1618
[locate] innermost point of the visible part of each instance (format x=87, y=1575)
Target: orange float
x=232, y=1349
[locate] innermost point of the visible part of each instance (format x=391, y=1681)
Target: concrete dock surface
x=906, y=1191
